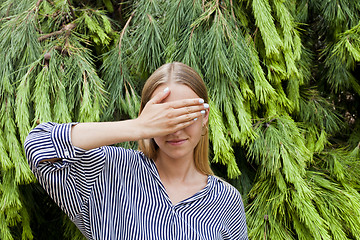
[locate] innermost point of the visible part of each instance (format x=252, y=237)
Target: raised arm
x=156, y=119
x=96, y=134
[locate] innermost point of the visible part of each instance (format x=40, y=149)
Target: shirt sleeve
x=70, y=180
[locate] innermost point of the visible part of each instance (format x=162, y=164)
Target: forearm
x=96, y=134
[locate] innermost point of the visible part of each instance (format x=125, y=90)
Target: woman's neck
x=180, y=177
x=180, y=170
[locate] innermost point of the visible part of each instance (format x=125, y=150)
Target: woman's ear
x=205, y=118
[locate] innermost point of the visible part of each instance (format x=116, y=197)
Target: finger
x=186, y=121
x=158, y=98
x=191, y=109
x=190, y=118
x=186, y=102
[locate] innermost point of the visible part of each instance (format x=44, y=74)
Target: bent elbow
x=38, y=145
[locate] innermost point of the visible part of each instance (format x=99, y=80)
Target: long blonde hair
x=178, y=73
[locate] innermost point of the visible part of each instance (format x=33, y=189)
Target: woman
x=164, y=191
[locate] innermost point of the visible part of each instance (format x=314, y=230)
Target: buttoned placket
x=173, y=223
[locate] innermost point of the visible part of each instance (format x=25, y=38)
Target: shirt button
x=66, y=153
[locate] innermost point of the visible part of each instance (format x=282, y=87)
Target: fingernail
x=202, y=111
x=206, y=105
x=201, y=100
x=195, y=119
x=166, y=89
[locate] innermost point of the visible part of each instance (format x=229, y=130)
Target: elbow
x=38, y=146
x=30, y=147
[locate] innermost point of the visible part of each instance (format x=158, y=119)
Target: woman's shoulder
x=229, y=200
x=227, y=190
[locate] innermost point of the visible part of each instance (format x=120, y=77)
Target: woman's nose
x=177, y=133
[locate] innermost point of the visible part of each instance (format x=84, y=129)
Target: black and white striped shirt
x=116, y=193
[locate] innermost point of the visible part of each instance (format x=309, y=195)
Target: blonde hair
x=178, y=73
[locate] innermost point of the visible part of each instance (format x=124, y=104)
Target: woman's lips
x=176, y=142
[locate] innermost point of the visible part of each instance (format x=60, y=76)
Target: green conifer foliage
x=283, y=80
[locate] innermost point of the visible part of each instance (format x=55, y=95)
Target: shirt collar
x=211, y=181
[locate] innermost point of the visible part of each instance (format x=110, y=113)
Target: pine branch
x=38, y=4
x=124, y=29
x=265, y=23
x=22, y=104
x=223, y=152
x=6, y=163
x=8, y=10
x=41, y=97
x=66, y=29
x=59, y=86
x=23, y=173
x=149, y=41
x=282, y=167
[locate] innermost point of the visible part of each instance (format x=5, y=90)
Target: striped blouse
x=116, y=193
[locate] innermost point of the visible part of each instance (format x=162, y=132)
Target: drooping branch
x=38, y=4
x=8, y=9
x=67, y=28
x=124, y=29
x=53, y=34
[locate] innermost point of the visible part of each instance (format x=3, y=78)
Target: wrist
x=138, y=129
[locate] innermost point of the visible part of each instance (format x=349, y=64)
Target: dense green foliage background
x=283, y=77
